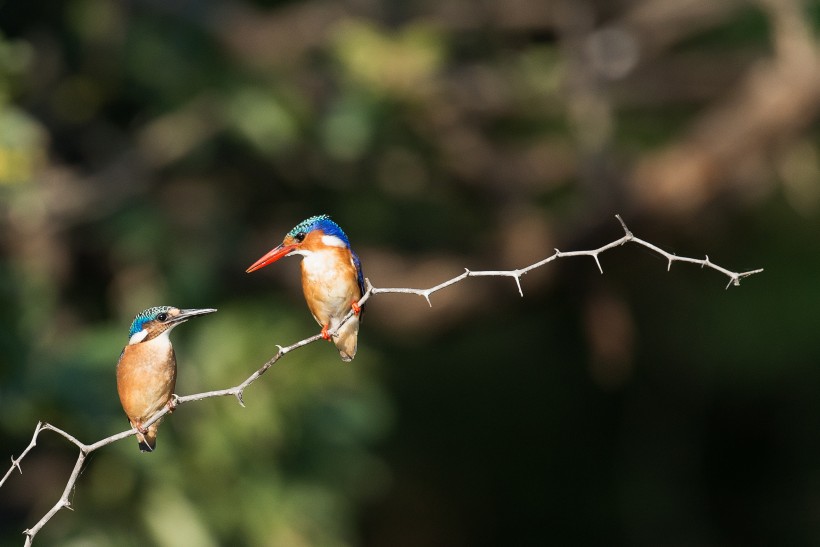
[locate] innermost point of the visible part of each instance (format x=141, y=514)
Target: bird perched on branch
x=332, y=277
x=147, y=369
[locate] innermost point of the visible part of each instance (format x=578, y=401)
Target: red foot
x=357, y=309
x=172, y=404
x=325, y=335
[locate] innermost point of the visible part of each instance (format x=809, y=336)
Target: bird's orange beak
x=275, y=254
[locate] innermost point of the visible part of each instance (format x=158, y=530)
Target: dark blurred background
x=150, y=151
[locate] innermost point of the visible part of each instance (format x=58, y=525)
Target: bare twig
x=239, y=389
x=15, y=463
x=628, y=237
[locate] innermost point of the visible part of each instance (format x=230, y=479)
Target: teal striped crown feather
x=319, y=222
x=145, y=316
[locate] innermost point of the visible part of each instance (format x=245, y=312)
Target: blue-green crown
x=145, y=316
x=320, y=222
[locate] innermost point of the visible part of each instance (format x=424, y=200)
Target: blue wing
x=359, y=273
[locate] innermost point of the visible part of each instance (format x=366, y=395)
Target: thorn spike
x=518, y=283
x=627, y=231
x=598, y=262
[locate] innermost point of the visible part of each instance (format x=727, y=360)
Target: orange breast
x=146, y=378
x=329, y=283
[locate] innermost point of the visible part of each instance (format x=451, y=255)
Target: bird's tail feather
x=148, y=442
x=347, y=339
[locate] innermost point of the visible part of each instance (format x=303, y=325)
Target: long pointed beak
x=184, y=315
x=275, y=254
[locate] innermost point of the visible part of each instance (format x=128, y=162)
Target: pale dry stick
x=734, y=277
x=15, y=463
x=238, y=390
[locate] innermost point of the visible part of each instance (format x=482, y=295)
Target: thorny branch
x=239, y=389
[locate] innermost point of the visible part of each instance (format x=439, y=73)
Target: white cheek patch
x=138, y=337
x=333, y=241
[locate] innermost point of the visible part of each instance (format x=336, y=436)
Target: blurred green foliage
x=149, y=152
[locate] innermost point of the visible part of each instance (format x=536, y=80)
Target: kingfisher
x=332, y=278
x=147, y=368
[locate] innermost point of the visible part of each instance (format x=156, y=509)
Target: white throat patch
x=161, y=338
x=138, y=337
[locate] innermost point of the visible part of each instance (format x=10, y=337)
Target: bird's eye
x=162, y=316
x=299, y=237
